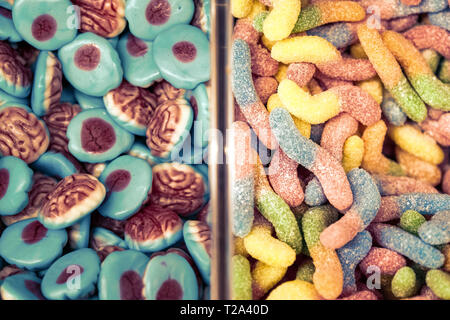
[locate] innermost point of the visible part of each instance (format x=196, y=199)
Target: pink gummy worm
x=301, y=73
x=395, y=186
x=244, y=164
x=328, y=82
x=438, y=129
x=284, y=179
x=430, y=37
x=389, y=210
x=342, y=231
x=349, y=69
x=386, y=260
x=361, y=295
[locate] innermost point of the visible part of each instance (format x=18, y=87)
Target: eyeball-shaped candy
x=22, y=134
x=15, y=181
x=168, y=127
x=105, y=18
x=178, y=187
x=121, y=276
x=137, y=59
x=95, y=137
x=73, y=198
x=28, y=244
x=170, y=277
x=91, y=64
x=7, y=29
x=153, y=228
x=22, y=286
x=182, y=55
x=197, y=236
x=47, y=85
x=131, y=107
x=73, y=276
x=56, y=165
x=15, y=78
x=45, y=24
x=147, y=18
x=127, y=180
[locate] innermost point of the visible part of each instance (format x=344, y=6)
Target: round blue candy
x=198, y=98
x=47, y=83
x=182, y=55
x=15, y=182
x=28, y=244
x=121, y=276
x=79, y=233
x=88, y=102
x=95, y=137
x=91, y=64
x=22, y=286
x=168, y=276
x=127, y=180
x=148, y=18
x=137, y=59
x=197, y=236
x=73, y=276
x=7, y=29
x=45, y=24
x=54, y=164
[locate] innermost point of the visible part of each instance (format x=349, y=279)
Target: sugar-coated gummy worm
x=394, y=186
x=408, y=245
x=281, y=19
x=246, y=96
x=305, y=271
x=352, y=153
x=327, y=82
x=262, y=246
x=438, y=129
x=328, y=278
x=417, y=168
x=440, y=19
x=361, y=295
x=412, y=140
x=392, y=207
x=316, y=159
x=374, y=87
x=386, y=260
x=366, y=202
x=349, y=69
x=350, y=256
x=325, y=105
x=444, y=71
x=403, y=23
x=294, y=290
x=439, y=282
x=324, y=12
x=243, y=179
x=437, y=230
x=284, y=179
x=274, y=209
x=241, y=8
x=430, y=37
x=301, y=73
x=390, y=73
x=392, y=111
x=242, y=278
x=340, y=34
x=374, y=161
x=432, y=91
x=404, y=283
x=265, y=277
x=411, y=220
x=388, y=9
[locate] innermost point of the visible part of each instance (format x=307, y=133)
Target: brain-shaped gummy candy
x=15, y=79
x=177, y=187
x=197, y=236
x=169, y=127
x=22, y=134
x=103, y=17
x=165, y=91
x=153, y=228
x=131, y=106
x=73, y=197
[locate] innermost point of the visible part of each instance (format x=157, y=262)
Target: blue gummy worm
x=339, y=34
x=402, y=10
x=392, y=111
x=406, y=244
x=425, y=203
x=440, y=19
x=437, y=230
x=241, y=74
x=351, y=254
x=243, y=211
x=314, y=195
x=296, y=146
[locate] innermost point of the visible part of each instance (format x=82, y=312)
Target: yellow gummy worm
x=311, y=49
x=257, y=7
x=302, y=126
x=417, y=168
x=415, y=142
x=312, y=109
x=241, y=8
x=281, y=20
x=353, y=153
x=374, y=87
x=294, y=290
x=266, y=276
x=260, y=244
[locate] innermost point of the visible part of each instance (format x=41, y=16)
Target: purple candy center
x=184, y=51
x=44, y=27
x=131, y=286
x=33, y=232
x=170, y=290
x=194, y=106
x=136, y=47
x=97, y=135
x=87, y=57
x=35, y=288
x=73, y=269
x=6, y=13
x=158, y=12
x=4, y=182
x=118, y=180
